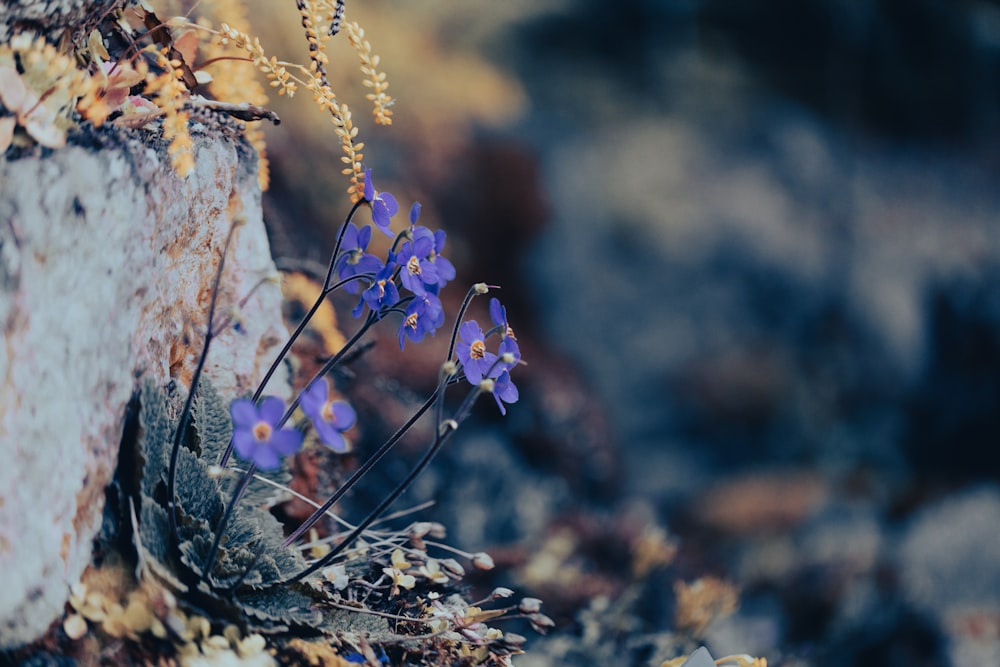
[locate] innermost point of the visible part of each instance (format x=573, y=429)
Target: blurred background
x=751, y=253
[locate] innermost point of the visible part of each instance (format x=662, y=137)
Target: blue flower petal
x=369, y=186
x=244, y=413
x=272, y=409
x=286, y=441
x=344, y=416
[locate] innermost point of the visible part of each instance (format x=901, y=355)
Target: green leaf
x=155, y=437
x=198, y=493
x=213, y=423
x=152, y=543
x=274, y=609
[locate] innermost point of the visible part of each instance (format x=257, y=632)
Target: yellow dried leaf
x=95, y=43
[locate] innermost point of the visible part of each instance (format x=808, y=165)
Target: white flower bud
x=530, y=606
x=483, y=561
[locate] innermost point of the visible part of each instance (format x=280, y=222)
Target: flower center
x=477, y=350
x=413, y=266
x=327, y=411
x=261, y=431
x=381, y=289
x=355, y=256
x=411, y=321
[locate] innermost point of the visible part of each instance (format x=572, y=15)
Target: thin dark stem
x=195, y=378
x=327, y=289
x=243, y=302
x=298, y=331
x=471, y=294
x=340, y=240
x=388, y=500
x=473, y=291
x=258, y=552
x=312, y=311
x=220, y=530
x=329, y=365
x=444, y=431
x=363, y=470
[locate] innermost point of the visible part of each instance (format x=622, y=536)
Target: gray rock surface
x=107, y=261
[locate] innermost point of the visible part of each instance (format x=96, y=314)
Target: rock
x=107, y=261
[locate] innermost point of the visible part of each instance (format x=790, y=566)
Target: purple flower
x=357, y=658
x=416, y=270
x=445, y=269
x=383, y=205
x=255, y=435
x=504, y=391
x=329, y=417
x=508, y=346
x=471, y=351
x=499, y=316
x=423, y=316
x=382, y=293
x=355, y=260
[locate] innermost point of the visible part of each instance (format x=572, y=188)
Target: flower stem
x=312, y=311
x=195, y=379
x=327, y=289
x=329, y=365
x=224, y=523
x=360, y=472
x=444, y=431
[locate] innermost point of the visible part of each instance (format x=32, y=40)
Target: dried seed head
x=530, y=606
x=452, y=568
x=501, y=592
x=420, y=528
x=483, y=561
x=541, y=623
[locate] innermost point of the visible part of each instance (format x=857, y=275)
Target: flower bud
x=482, y=561
x=530, y=606
x=481, y=288
x=452, y=568
x=501, y=592
x=420, y=528
x=541, y=623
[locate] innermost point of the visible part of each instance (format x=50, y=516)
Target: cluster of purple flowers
x=410, y=278
x=479, y=363
x=407, y=282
